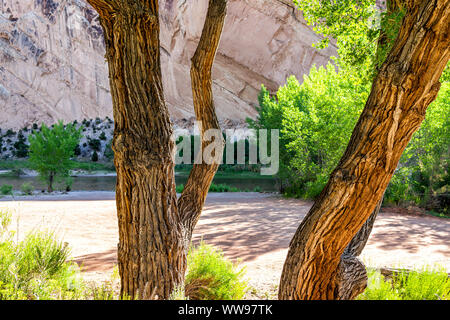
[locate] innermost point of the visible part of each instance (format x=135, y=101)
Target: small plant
x=257, y=189
x=222, y=188
x=102, y=136
x=68, y=182
x=95, y=144
x=211, y=276
x=109, y=153
x=179, y=188
x=21, y=146
x=6, y=189
x=77, y=150
x=94, y=157
x=178, y=293
x=27, y=188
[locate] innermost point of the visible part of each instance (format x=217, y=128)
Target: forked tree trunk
x=407, y=83
x=152, y=233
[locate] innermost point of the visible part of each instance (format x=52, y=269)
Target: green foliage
x=51, y=151
x=210, y=276
x=94, y=157
x=214, y=188
x=422, y=176
x=6, y=189
x=424, y=284
x=95, y=144
x=109, y=153
x=36, y=267
x=222, y=188
x=21, y=146
x=316, y=119
x=356, y=25
x=27, y=188
x=179, y=188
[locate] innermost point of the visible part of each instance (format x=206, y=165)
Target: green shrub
x=109, y=153
x=6, y=189
x=179, y=188
x=423, y=284
x=222, y=188
x=27, y=188
x=211, y=276
x=94, y=157
x=102, y=136
x=95, y=144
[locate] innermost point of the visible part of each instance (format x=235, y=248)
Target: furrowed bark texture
x=193, y=197
x=407, y=83
x=152, y=232
x=351, y=279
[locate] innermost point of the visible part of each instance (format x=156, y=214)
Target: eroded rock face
x=52, y=62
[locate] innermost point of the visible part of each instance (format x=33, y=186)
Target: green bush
x=214, y=188
x=27, y=188
x=424, y=284
x=36, y=267
x=222, y=188
x=94, y=157
x=6, y=189
x=179, y=188
x=210, y=276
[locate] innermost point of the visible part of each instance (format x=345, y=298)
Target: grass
x=425, y=284
x=210, y=276
x=221, y=188
x=438, y=214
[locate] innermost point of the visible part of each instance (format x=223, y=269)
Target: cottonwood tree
x=338, y=223
x=154, y=227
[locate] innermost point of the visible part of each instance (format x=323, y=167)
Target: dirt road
x=253, y=227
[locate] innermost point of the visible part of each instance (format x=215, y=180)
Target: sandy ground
x=253, y=227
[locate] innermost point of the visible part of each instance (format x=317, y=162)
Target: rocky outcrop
x=52, y=62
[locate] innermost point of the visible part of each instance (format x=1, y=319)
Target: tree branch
x=193, y=197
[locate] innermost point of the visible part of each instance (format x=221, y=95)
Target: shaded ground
x=253, y=227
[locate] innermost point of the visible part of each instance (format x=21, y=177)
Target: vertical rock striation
x=52, y=63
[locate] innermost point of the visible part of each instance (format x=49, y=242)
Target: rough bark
x=407, y=83
x=152, y=231
x=193, y=197
x=351, y=279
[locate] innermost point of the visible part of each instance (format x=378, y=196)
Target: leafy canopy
x=51, y=149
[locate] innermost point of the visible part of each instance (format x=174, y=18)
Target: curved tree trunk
x=193, y=197
x=407, y=83
x=351, y=279
x=152, y=231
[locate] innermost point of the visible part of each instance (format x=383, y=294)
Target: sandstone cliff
x=52, y=62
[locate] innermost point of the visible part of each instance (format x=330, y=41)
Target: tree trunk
x=50, y=182
x=152, y=232
x=407, y=83
x=194, y=194
x=351, y=279
x=151, y=253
